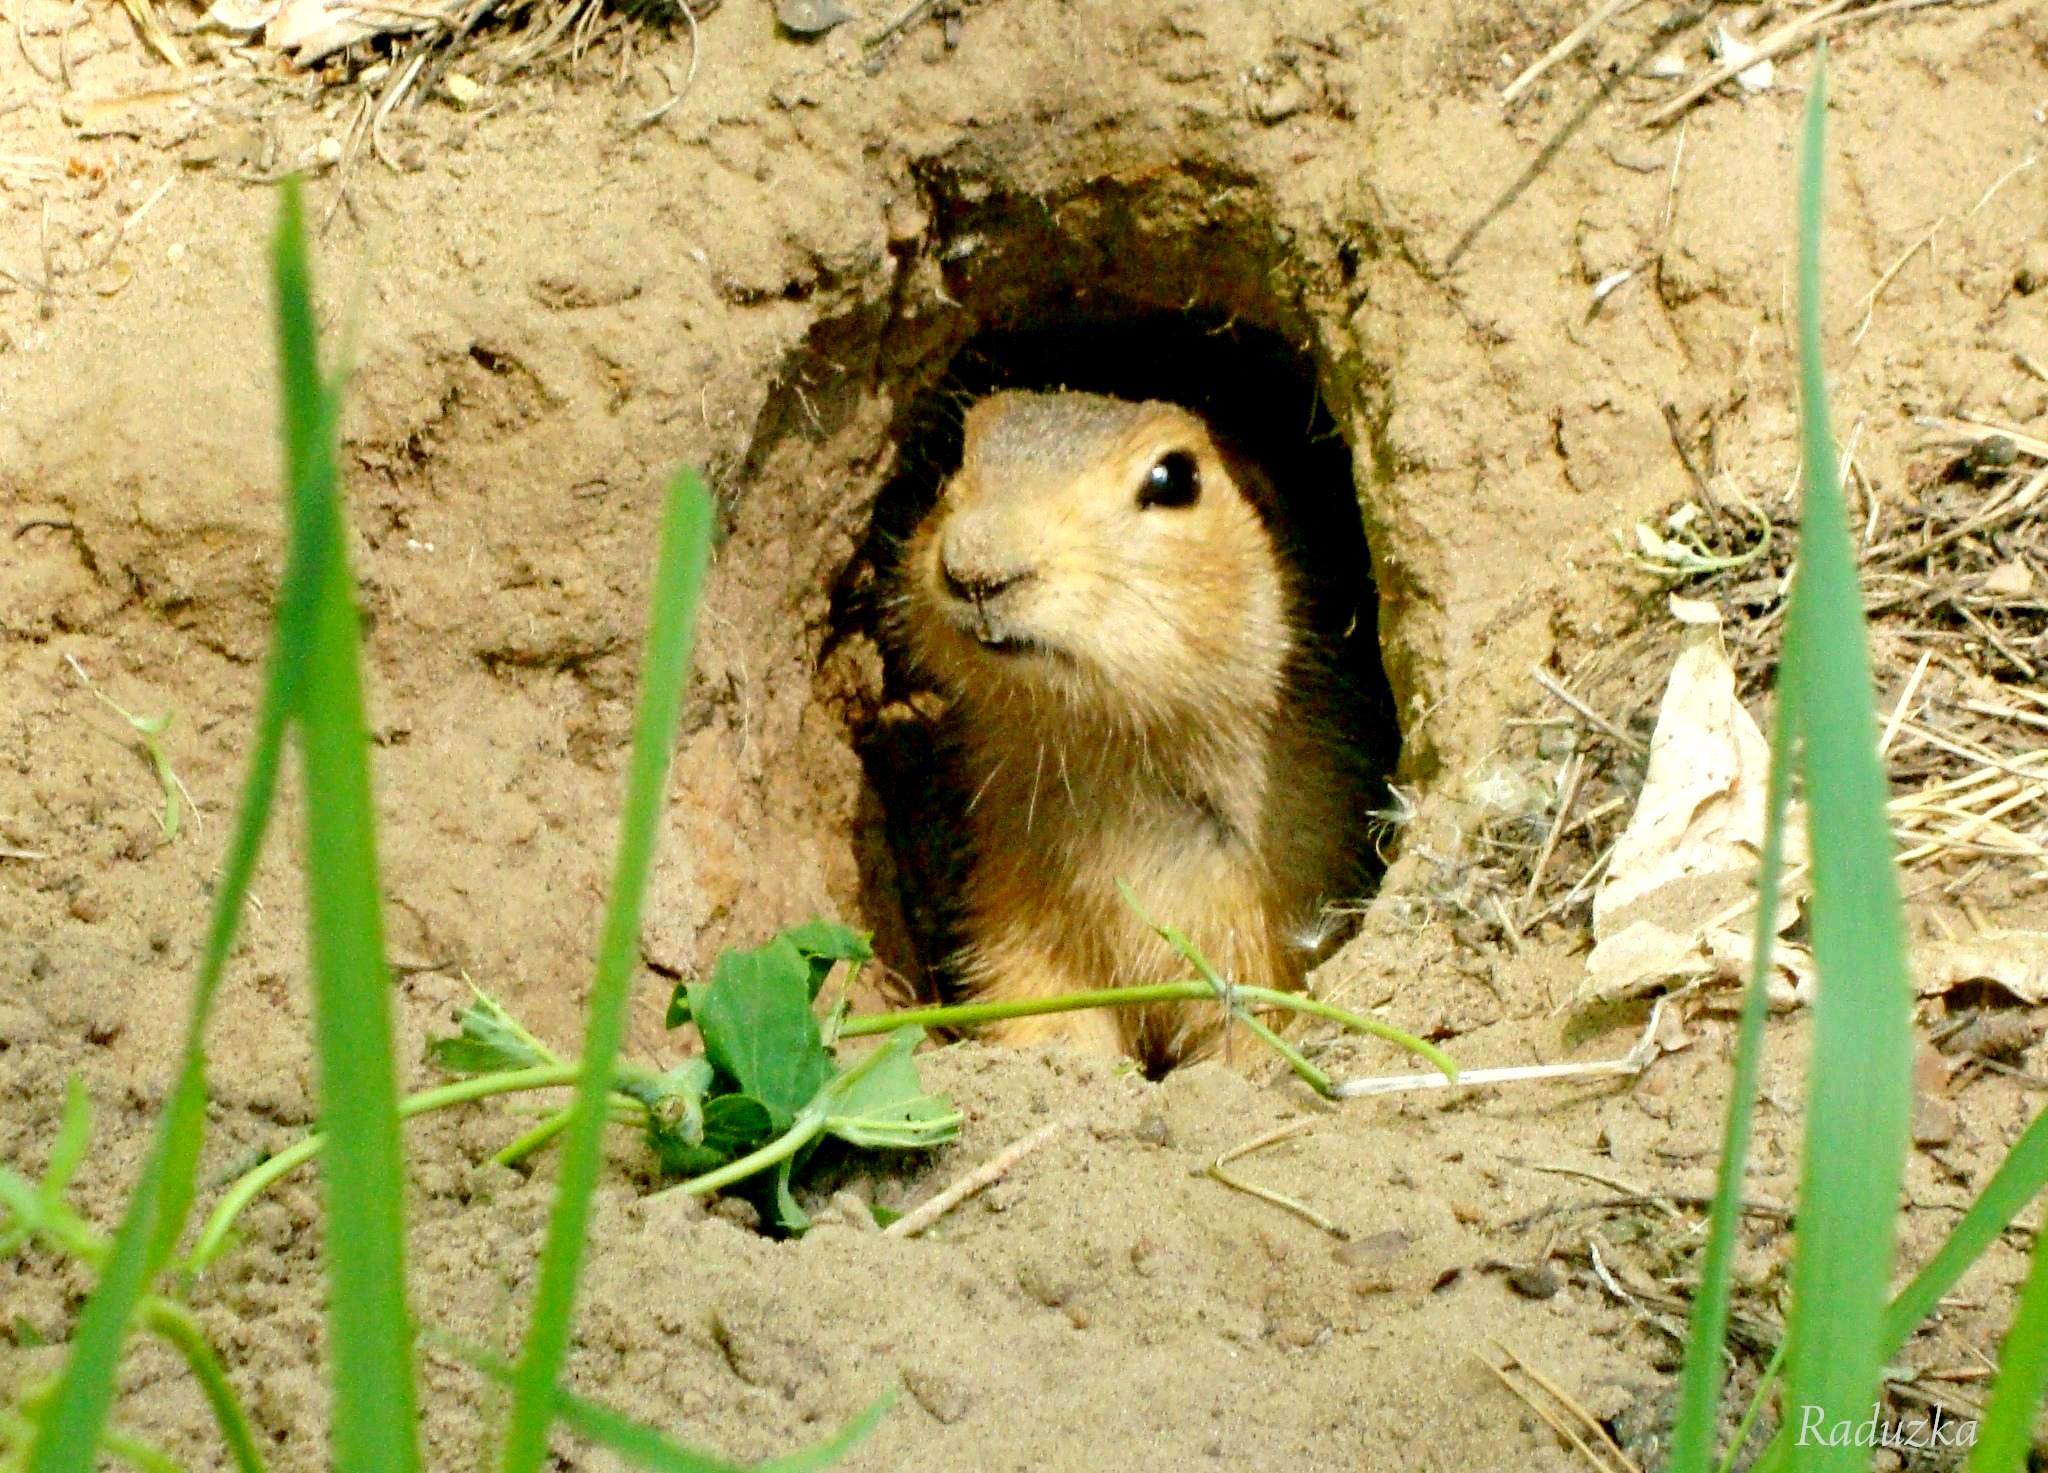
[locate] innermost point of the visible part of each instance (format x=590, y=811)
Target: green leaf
x=829, y=940
x=76, y=1416
x=72, y=1422
x=25, y=1207
x=1859, y=1092
x=737, y=1124
x=74, y=1135
x=824, y=944
x=2007, y=1435
x=184, y=1129
x=755, y=1018
x=492, y=1042
x=727, y=1127
x=835, y=1447
x=886, y=1106
x=821, y=943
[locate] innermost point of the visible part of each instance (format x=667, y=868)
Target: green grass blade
x=678, y=583
x=643, y=1445
x=69, y=1434
x=1699, y=1394
x=370, y=1332
x=1859, y=1085
x=71, y=1427
x=835, y=1447
x=2019, y=1177
x=2007, y=1434
x=174, y=1322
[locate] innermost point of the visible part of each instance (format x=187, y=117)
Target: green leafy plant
x=769, y=1085
x=1841, y=1329
x=766, y=1089
x=149, y=733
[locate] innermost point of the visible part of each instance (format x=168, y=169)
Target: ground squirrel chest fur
x=1138, y=693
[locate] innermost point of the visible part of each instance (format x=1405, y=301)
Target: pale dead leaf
x=2014, y=960
x=1662, y=917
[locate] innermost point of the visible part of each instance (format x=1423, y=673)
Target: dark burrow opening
x=1258, y=392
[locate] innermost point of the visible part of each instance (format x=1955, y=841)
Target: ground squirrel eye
x=1172, y=481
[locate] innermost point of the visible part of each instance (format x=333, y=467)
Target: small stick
x=1634, y=1061
x=1978, y=755
x=8, y=851
x=1266, y=1194
x=985, y=1175
x=1999, y=183
x=1870, y=297
x=1506, y=923
x=1573, y=771
x=1671, y=187
x=1905, y=704
x=1692, y=467
x=2000, y=509
x=1612, y=1183
x=2005, y=713
x=1586, y=1418
x=1977, y=431
x=1976, y=622
x=1572, y=41
x=1584, y=882
x=1557, y=1424
x=1791, y=35
x=656, y=114
x=1585, y=710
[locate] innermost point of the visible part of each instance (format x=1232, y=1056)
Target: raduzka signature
x=1879, y=1431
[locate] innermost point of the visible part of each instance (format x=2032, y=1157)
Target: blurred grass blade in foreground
x=1852, y=1161
x=370, y=1333
x=1859, y=1089
x=678, y=585
x=71, y=1426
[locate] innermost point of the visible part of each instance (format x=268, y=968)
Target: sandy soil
x=554, y=306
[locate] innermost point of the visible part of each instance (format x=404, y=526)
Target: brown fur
x=1132, y=706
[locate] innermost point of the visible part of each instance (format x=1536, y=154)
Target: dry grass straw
x=1794, y=35
x=417, y=45
x=1960, y=646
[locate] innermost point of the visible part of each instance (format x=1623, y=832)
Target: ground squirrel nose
x=976, y=587
x=970, y=563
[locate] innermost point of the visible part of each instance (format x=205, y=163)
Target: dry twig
x=985, y=1175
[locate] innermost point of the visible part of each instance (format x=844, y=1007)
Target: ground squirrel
x=1138, y=693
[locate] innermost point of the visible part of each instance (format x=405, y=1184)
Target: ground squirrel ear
x=1173, y=481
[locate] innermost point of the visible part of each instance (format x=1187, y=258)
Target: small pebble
x=1535, y=1281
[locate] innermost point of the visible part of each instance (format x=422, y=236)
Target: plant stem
x=174, y=1322
x=1315, y=1078
x=533, y=1140
x=808, y=1127
x=214, y=1236
x=967, y=1015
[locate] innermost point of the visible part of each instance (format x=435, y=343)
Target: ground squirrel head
x=1100, y=561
